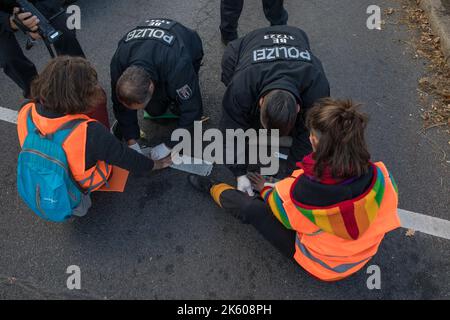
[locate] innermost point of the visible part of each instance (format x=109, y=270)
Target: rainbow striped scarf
x=349, y=219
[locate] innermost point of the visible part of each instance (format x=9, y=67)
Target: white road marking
x=8, y=115
x=425, y=224
x=410, y=220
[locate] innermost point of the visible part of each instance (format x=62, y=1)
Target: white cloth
x=136, y=147
x=160, y=152
x=244, y=185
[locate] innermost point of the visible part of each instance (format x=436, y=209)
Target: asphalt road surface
x=163, y=240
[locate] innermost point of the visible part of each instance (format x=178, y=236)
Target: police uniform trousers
x=230, y=11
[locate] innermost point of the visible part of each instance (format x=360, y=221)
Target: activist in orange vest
x=68, y=89
x=332, y=214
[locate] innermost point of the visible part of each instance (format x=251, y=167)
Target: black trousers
x=17, y=66
x=230, y=11
x=254, y=211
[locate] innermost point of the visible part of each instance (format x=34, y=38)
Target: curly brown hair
x=340, y=128
x=67, y=85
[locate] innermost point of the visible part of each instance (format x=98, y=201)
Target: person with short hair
x=272, y=79
x=67, y=90
x=155, y=68
x=333, y=212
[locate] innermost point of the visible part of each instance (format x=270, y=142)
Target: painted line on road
x=425, y=224
x=8, y=115
x=410, y=220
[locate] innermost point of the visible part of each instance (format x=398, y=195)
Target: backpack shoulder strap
x=63, y=132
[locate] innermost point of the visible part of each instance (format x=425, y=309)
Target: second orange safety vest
x=327, y=256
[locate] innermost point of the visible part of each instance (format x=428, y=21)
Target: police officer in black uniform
x=272, y=78
x=230, y=11
x=12, y=59
x=156, y=68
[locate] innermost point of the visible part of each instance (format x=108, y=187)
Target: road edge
x=440, y=22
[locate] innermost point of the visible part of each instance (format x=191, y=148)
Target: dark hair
x=67, y=85
x=132, y=86
x=279, y=111
x=340, y=129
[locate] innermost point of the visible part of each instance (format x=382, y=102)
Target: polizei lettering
x=280, y=53
x=151, y=33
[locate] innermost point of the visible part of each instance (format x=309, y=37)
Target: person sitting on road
x=332, y=214
x=66, y=90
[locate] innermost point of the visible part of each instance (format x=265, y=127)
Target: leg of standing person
x=275, y=12
x=15, y=64
x=68, y=43
x=230, y=11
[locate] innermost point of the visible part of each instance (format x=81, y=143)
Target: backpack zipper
x=38, y=201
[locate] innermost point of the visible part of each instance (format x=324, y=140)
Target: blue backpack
x=44, y=180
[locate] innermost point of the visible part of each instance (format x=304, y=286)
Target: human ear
x=261, y=102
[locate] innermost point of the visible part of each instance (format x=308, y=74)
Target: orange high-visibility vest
x=74, y=146
x=327, y=256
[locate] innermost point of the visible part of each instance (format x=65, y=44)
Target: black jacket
x=6, y=9
x=50, y=7
x=277, y=57
x=171, y=53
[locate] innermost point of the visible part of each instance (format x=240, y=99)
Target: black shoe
x=202, y=184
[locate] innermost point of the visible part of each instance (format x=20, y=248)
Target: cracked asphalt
x=163, y=240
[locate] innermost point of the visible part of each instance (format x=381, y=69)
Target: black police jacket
x=7, y=6
x=168, y=51
x=277, y=57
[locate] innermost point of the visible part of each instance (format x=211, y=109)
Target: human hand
x=28, y=20
x=257, y=180
x=163, y=163
x=244, y=185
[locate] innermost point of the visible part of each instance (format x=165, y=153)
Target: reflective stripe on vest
x=338, y=269
x=326, y=256
x=74, y=146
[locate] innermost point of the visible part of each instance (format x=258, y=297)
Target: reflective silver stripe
x=315, y=233
x=338, y=269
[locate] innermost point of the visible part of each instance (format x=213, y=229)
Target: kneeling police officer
x=272, y=79
x=156, y=68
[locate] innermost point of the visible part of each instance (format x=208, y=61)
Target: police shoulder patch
x=185, y=92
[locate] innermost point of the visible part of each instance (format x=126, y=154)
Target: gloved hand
x=136, y=147
x=160, y=152
x=244, y=185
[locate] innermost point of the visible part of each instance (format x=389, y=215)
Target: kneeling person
x=63, y=94
x=272, y=79
x=332, y=214
x=156, y=68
